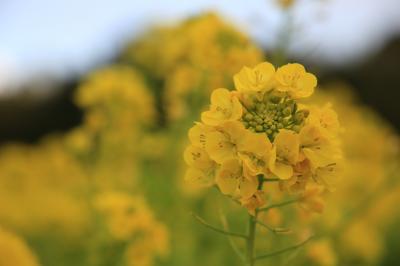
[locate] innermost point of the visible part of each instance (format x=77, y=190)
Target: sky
x=69, y=37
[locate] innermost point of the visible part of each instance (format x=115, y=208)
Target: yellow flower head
x=116, y=94
x=129, y=219
x=322, y=253
x=260, y=131
x=192, y=58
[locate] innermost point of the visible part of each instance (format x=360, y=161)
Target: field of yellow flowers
x=198, y=149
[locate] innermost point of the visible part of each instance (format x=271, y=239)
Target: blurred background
x=53, y=52
x=47, y=46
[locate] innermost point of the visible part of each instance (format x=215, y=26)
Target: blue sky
x=65, y=37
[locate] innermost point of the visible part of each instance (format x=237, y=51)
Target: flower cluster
x=261, y=131
x=119, y=110
x=47, y=189
x=130, y=220
x=201, y=53
x=108, y=95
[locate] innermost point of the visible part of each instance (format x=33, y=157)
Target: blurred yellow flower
x=129, y=219
x=312, y=199
x=14, y=251
x=321, y=253
x=190, y=59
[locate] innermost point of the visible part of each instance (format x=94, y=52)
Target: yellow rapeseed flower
x=259, y=131
x=191, y=59
x=129, y=219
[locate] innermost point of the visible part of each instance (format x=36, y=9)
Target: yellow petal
x=228, y=176
x=198, y=134
x=247, y=187
x=320, y=156
x=226, y=183
x=264, y=74
x=252, y=166
x=241, y=79
x=199, y=177
x=310, y=135
x=221, y=97
x=282, y=170
x=293, y=79
x=285, y=75
x=305, y=86
x=258, y=79
x=219, y=147
x=255, y=143
x=225, y=106
x=212, y=118
x=287, y=145
x=197, y=157
x=235, y=130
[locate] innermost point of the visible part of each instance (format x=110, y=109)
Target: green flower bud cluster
x=272, y=113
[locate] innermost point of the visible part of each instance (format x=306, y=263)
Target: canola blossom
x=129, y=220
x=261, y=132
x=188, y=60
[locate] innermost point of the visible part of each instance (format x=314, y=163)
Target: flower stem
x=277, y=205
x=217, y=229
x=251, y=237
x=251, y=240
x=275, y=253
x=274, y=230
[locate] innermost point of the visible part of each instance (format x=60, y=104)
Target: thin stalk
x=251, y=237
x=231, y=240
x=251, y=240
x=277, y=205
x=221, y=231
x=274, y=230
x=275, y=253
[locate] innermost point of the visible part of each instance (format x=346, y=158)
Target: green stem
x=274, y=230
x=277, y=205
x=251, y=237
x=275, y=253
x=251, y=240
x=217, y=229
x=231, y=240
